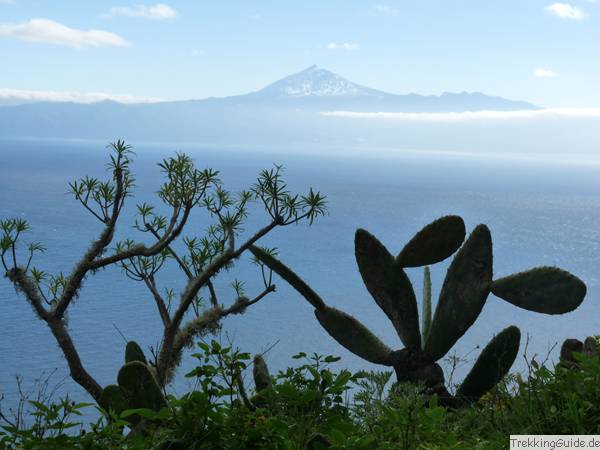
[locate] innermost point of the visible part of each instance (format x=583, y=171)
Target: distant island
x=286, y=110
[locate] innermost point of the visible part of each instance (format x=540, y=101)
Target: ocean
x=541, y=211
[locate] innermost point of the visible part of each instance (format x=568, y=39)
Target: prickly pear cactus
x=133, y=352
x=137, y=386
x=426, y=321
x=466, y=287
x=493, y=364
x=140, y=387
x=113, y=399
x=260, y=372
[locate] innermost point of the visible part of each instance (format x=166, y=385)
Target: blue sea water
x=540, y=212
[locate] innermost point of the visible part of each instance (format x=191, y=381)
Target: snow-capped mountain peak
x=316, y=82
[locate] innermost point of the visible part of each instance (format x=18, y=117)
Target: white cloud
x=386, y=10
x=342, y=46
x=566, y=11
x=7, y=2
x=470, y=115
x=198, y=52
x=17, y=96
x=50, y=32
x=541, y=72
x=160, y=11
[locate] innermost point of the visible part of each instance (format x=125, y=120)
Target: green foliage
x=466, y=287
x=312, y=408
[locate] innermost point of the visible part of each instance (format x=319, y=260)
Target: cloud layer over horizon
x=18, y=96
x=468, y=115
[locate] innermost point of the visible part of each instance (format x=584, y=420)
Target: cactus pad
x=434, y=243
x=288, y=275
x=113, y=399
x=260, y=372
x=353, y=335
x=389, y=286
x=133, y=352
x=493, y=364
x=547, y=290
x=463, y=294
x=140, y=387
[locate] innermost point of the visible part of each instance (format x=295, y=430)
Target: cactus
x=140, y=387
x=434, y=243
x=426, y=324
x=588, y=348
x=547, y=290
x=137, y=386
x=133, y=352
x=260, y=372
x=466, y=287
x=463, y=294
x=493, y=363
x=390, y=287
x=114, y=399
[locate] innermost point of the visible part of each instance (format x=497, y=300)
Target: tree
x=185, y=189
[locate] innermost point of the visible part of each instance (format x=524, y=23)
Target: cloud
x=566, y=11
x=50, y=32
x=540, y=72
x=386, y=10
x=16, y=96
x=160, y=11
x=469, y=115
x=7, y=2
x=342, y=46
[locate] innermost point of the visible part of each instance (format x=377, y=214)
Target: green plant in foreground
x=466, y=287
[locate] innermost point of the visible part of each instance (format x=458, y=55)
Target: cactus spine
x=466, y=287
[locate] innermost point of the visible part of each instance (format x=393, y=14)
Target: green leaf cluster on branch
x=465, y=290
x=203, y=257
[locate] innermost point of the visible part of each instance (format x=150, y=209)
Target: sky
x=544, y=52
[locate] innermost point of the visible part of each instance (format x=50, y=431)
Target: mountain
x=286, y=109
x=317, y=88
x=315, y=82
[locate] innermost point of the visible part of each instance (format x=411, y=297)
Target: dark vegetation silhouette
x=309, y=405
x=467, y=285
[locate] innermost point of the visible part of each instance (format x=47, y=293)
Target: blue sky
x=540, y=51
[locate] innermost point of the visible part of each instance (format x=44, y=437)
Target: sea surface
x=541, y=211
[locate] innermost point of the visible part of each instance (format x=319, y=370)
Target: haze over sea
x=541, y=211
